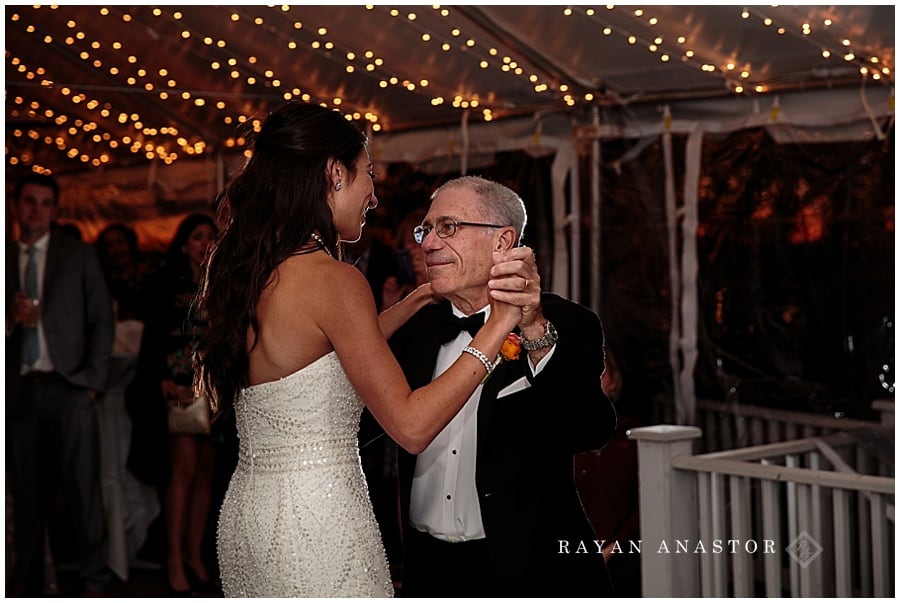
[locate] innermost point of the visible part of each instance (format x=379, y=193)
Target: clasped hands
x=515, y=281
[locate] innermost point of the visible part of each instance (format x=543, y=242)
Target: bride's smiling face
x=355, y=197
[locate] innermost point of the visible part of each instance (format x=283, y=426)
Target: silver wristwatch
x=550, y=337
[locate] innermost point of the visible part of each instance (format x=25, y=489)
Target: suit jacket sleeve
x=578, y=412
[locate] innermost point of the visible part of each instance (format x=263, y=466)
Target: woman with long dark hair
x=165, y=377
x=295, y=347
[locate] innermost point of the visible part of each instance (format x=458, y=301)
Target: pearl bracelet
x=480, y=355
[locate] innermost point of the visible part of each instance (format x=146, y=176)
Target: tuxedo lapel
x=503, y=375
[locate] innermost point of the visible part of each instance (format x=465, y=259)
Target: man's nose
x=431, y=241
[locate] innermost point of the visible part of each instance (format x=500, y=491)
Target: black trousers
x=56, y=422
x=436, y=568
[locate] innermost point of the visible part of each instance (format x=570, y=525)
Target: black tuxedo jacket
x=525, y=447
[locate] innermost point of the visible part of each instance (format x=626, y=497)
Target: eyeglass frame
x=421, y=231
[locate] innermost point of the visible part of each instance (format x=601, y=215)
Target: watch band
x=550, y=338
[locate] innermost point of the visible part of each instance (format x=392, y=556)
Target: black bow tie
x=449, y=326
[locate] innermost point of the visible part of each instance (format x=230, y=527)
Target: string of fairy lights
x=110, y=129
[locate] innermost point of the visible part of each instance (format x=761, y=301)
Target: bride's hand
x=506, y=313
x=425, y=289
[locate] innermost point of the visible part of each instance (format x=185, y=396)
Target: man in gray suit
x=59, y=333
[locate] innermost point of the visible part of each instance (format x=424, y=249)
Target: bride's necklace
x=318, y=239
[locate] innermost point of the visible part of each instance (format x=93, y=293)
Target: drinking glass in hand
x=28, y=310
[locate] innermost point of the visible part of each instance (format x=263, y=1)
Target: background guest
x=371, y=255
x=409, y=260
x=607, y=481
x=59, y=329
x=125, y=269
x=131, y=505
x=165, y=375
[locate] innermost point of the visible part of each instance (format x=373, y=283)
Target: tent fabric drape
x=686, y=407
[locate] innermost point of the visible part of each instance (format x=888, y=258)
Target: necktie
x=29, y=334
x=449, y=325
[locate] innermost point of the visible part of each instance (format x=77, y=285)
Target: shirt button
x=448, y=497
x=452, y=452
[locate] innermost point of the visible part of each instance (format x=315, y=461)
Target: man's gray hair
x=501, y=204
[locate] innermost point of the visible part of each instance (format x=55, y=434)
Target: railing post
x=886, y=409
x=668, y=507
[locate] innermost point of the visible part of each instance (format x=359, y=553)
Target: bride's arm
x=412, y=418
x=395, y=316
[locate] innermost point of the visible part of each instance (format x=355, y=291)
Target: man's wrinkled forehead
x=458, y=202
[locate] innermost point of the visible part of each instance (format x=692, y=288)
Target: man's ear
x=506, y=239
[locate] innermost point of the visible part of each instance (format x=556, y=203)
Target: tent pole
x=464, y=154
x=596, y=276
x=562, y=166
x=689, y=270
x=674, y=275
x=575, y=222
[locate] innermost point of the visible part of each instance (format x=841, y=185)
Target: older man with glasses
x=489, y=508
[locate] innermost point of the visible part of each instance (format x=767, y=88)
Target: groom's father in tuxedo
x=59, y=333
x=490, y=507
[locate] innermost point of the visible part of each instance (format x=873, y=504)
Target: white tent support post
x=596, y=230
x=683, y=334
x=464, y=132
x=686, y=411
x=562, y=165
x=575, y=224
x=674, y=275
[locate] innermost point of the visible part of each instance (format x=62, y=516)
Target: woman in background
x=165, y=376
x=124, y=268
x=131, y=505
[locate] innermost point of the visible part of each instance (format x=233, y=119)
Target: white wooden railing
x=728, y=425
x=806, y=517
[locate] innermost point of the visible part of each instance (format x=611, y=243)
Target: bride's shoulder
x=319, y=276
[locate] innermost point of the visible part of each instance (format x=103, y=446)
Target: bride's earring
x=338, y=186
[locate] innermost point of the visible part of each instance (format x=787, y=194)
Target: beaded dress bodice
x=297, y=521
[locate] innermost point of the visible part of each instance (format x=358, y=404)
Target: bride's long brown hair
x=268, y=212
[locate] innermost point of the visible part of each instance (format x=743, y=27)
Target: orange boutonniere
x=511, y=347
x=510, y=350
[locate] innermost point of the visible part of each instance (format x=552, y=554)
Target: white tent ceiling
x=122, y=85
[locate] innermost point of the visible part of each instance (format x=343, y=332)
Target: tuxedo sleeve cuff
x=543, y=362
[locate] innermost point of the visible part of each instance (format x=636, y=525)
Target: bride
x=295, y=348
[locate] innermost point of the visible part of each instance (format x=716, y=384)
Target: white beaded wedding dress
x=297, y=521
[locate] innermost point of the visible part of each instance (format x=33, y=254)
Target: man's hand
x=25, y=310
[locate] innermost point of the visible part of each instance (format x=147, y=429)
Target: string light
x=134, y=75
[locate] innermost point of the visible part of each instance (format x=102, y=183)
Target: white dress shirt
x=444, y=501
x=43, y=362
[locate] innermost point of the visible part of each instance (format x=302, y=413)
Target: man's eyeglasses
x=445, y=228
